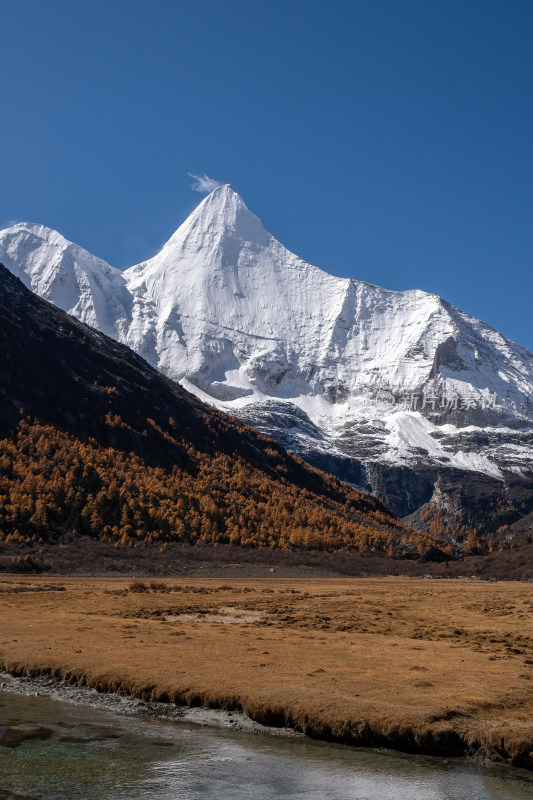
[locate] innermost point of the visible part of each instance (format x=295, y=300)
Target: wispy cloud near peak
x=203, y=183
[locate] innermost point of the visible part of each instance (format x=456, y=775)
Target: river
x=54, y=750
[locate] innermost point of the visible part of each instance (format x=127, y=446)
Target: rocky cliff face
x=398, y=392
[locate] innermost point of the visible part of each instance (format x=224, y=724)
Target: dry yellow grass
x=436, y=666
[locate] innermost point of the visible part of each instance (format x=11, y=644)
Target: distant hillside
x=96, y=442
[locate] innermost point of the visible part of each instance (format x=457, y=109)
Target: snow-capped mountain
x=391, y=390
x=68, y=276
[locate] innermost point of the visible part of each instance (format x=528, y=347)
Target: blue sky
x=389, y=141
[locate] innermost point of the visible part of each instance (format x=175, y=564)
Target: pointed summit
x=222, y=214
x=222, y=195
x=213, y=239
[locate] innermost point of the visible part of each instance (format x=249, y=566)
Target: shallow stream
x=54, y=750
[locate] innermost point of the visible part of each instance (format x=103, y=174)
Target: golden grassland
x=435, y=666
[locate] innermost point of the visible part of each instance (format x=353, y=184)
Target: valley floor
x=441, y=666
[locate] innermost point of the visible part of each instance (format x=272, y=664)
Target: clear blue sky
x=386, y=140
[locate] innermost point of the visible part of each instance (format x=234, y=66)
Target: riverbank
x=436, y=667
x=88, y=697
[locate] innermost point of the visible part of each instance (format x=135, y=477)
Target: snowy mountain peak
x=223, y=205
x=67, y=275
x=40, y=232
x=221, y=220
x=329, y=365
